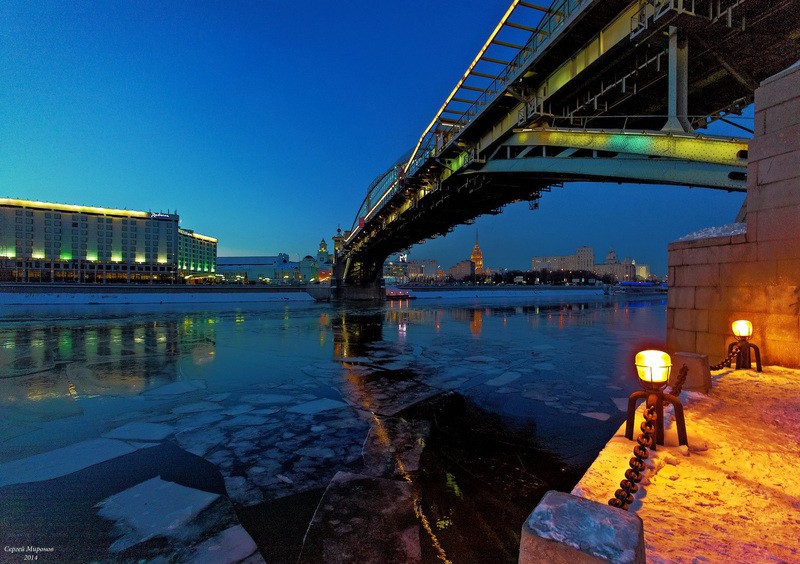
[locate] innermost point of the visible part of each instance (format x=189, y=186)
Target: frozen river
x=423, y=430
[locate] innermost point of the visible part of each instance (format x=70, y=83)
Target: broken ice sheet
x=231, y=545
x=176, y=388
x=140, y=431
x=62, y=461
x=152, y=508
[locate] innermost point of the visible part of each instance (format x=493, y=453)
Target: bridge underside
x=528, y=164
x=604, y=90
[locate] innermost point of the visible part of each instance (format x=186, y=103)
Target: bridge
x=576, y=90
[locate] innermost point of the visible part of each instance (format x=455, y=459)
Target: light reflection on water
x=530, y=366
x=85, y=354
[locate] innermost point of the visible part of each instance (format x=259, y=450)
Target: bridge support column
x=374, y=292
x=678, y=82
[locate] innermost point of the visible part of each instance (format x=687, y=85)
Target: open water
x=416, y=430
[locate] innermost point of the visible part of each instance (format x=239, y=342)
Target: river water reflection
x=452, y=416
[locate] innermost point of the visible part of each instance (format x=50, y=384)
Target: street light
x=653, y=368
x=743, y=330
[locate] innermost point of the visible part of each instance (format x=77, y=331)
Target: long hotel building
x=47, y=242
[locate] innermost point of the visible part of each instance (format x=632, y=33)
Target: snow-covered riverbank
x=732, y=495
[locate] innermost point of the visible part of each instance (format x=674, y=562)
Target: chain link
x=726, y=363
x=623, y=497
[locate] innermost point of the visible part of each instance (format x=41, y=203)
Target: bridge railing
x=547, y=28
x=384, y=187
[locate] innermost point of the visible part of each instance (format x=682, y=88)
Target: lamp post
x=743, y=330
x=653, y=368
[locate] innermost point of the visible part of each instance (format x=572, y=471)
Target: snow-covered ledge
x=731, y=496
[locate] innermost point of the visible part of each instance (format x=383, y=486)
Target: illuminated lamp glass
x=653, y=367
x=742, y=328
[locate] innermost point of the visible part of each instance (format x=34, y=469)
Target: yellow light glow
x=461, y=81
x=197, y=236
x=653, y=366
x=703, y=148
x=70, y=208
x=37, y=255
x=742, y=328
x=140, y=258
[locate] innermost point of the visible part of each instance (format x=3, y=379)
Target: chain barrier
x=726, y=362
x=623, y=497
x=682, y=373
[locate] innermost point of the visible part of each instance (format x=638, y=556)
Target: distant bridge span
x=596, y=90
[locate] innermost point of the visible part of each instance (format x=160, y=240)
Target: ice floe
x=316, y=406
x=504, y=379
x=176, y=388
x=62, y=461
x=140, y=431
x=197, y=407
x=152, y=508
x=229, y=546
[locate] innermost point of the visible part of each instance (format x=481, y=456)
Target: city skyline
x=225, y=113
x=452, y=261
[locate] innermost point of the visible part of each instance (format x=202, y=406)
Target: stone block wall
x=755, y=275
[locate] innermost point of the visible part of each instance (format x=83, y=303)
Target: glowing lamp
x=742, y=328
x=653, y=368
x=742, y=348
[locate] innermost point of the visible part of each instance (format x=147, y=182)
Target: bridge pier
x=372, y=292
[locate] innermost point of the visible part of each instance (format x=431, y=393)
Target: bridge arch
x=600, y=91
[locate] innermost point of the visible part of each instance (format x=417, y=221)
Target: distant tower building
x=324, y=262
x=322, y=253
x=477, y=256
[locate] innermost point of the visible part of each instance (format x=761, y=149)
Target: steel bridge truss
x=621, y=156
x=596, y=90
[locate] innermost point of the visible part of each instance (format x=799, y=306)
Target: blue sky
x=263, y=123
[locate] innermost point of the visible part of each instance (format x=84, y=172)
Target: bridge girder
x=601, y=63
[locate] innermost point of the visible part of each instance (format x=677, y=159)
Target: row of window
x=69, y=266
x=82, y=218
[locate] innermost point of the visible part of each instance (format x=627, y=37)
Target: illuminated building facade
x=622, y=271
x=276, y=269
x=477, y=256
x=324, y=262
x=583, y=259
x=197, y=254
x=48, y=242
x=421, y=270
x=462, y=270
